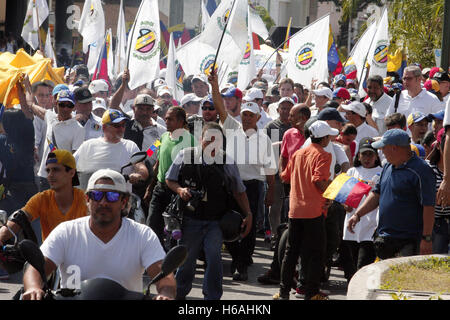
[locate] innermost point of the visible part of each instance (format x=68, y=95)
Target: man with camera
x=201, y=176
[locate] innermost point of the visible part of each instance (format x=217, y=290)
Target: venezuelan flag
x=347, y=190
x=153, y=148
x=51, y=146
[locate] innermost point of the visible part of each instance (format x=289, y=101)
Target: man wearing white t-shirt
x=110, y=151
x=99, y=245
x=379, y=101
x=414, y=98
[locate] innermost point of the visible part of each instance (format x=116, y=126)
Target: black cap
x=365, y=144
x=330, y=113
x=83, y=95
x=441, y=76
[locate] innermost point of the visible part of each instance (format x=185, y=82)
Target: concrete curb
x=365, y=284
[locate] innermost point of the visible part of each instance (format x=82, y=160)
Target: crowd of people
x=268, y=152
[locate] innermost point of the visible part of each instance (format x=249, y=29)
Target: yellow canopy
x=12, y=66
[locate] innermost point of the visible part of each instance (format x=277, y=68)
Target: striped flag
x=288, y=34
x=51, y=146
x=153, y=148
x=347, y=190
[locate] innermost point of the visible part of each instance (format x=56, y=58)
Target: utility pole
x=445, y=55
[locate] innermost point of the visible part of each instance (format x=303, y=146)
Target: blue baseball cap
x=330, y=113
x=65, y=95
x=393, y=137
x=340, y=77
x=397, y=85
x=58, y=88
x=438, y=115
x=232, y=92
x=113, y=116
x=208, y=98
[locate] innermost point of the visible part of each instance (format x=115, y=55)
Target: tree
x=416, y=25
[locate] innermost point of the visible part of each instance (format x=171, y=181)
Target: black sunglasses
x=111, y=196
x=210, y=108
x=66, y=105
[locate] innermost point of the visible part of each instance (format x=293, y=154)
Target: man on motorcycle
x=104, y=244
x=60, y=203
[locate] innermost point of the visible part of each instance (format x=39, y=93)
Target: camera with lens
x=194, y=201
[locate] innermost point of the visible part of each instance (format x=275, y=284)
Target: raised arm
x=116, y=99
x=217, y=98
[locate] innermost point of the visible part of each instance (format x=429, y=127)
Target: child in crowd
x=357, y=249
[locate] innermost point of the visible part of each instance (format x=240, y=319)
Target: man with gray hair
x=414, y=98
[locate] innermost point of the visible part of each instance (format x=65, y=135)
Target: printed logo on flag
x=147, y=44
x=223, y=19
x=305, y=56
x=246, y=58
x=233, y=77
x=380, y=56
x=207, y=63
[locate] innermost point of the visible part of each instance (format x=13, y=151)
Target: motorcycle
x=91, y=289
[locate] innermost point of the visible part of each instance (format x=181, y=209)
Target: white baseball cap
x=99, y=103
x=321, y=129
x=190, y=97
x=163, y=90
x=286, y=99
x=200, y=77
x=325, y=91
x=356, y=107
x=98, y=85
x=119, y=185
x=252, y=94
x=250, y=106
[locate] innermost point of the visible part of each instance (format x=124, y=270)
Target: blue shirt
x=404, y=191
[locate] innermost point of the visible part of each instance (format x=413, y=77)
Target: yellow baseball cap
x=65, y=158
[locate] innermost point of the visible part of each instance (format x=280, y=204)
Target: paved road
x=233, y=290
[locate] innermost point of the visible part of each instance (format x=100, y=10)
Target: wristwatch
x=427, y=238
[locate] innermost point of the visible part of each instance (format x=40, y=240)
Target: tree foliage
x=416, y=25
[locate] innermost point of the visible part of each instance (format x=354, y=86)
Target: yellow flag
x=395, y=61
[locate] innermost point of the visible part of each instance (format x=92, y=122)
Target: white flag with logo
x=32, y=22
x=258, y=25
x=144, y=45
x=120, y=57
x=49, y=52
x=174, y=71
x=92, y=24
x=247, y=67
x=205, y=15
x=308, y=53
x=378, y=53
x=235, y=38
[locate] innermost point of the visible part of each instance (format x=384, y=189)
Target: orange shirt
x=43, y=205
x=307, y=166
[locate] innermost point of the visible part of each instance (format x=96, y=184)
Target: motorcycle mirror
x=3, y=217
x=138, y=157
x=33, y=255
x=174, y=258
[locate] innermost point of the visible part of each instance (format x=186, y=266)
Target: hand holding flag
x=347, y=190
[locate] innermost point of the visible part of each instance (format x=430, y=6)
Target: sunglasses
x=210, y=108
x=66, y=105
x=111, y=196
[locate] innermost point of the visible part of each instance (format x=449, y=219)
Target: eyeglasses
x=66, y=105
x=210, y=108
x=111, y=196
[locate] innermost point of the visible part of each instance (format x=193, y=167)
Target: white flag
x=378, y=53
x=258, y=25
x=235, y=38
x=49, y=52
x=174, y=72
x=92, y=24
x=247, y=67
x=121, y=45
x=32, y=22
x=144, y=45
x=205, y=15
x=308, y=53
x=360, y=51
x=110, y=55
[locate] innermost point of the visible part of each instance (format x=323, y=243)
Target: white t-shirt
x=273, y=111
x=93, y=127
x=424, y=102
x=96, y=154
x=73, y=247
x=447, y=114
x=69, y=135
x=151, y=134
x=380, y=108
x=253, y=155
x=338, y=154
x=365, y=228
x=265, y=119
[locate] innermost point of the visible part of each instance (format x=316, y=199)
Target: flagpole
x=276, y=50
x=221, y=38
x=73, y=55
x=132, y=33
